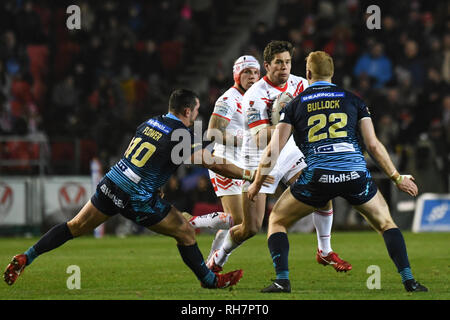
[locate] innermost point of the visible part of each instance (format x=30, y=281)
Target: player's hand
x=406, y=184
x=250, y=175
x=268, y=181
x=253, y=191
x=280, y=102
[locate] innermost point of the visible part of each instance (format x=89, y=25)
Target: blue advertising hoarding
x=432, y=213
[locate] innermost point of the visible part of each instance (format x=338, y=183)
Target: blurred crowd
x=98, y=83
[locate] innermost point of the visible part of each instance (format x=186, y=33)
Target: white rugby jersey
x=229, y=107
x=257, y=104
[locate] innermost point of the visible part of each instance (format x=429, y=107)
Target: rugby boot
x=333, y=259
x=15, y=268
x=279, y=285
x=414, y=286
x=226, y=280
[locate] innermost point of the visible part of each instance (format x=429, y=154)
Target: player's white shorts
x=285, y=168
x=224, y=186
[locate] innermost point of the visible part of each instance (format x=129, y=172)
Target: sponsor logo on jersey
x=338, y=178
x=107, y=192
x=221, y=108
x=322, y=95
x=159, y=126
x=335, y=147
x=253, y=115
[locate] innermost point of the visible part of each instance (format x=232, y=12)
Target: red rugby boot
x=15, y=268
x=333, y=259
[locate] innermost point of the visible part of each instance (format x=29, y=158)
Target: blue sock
x=406, y=274
x=279, y=250
x=193, y=258
x=31, y=255
x=396, y=247
x=54, y=238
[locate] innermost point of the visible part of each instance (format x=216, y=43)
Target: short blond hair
x=320, y=64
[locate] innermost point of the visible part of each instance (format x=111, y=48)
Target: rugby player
x=257, y=103
x=226, y=129
x=132, y=189
x=324, y=121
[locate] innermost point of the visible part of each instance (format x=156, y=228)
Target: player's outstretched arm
x=379, y=153
x=225, y=168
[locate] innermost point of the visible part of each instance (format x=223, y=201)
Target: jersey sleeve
x=256, y=113
x=363, y=109
x=224, y=108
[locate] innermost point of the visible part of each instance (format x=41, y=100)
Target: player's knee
x=275, y=219
x=76, y=227
x=247, y=232
x=185, y=234
x=385, y=224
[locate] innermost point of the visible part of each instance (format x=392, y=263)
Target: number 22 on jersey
x=141, y=155
x=319, y=121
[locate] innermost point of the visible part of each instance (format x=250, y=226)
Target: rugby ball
x=280, y=102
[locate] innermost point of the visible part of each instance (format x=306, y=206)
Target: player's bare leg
x=376, y=212
x=84, y=222
x=253, y=216
x=176, y=226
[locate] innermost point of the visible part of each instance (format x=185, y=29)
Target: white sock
x=213, y=221
x=323, y=220
x=217, y=242
x=228, y=245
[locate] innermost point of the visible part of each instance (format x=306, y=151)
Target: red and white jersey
x=257, y=105
x=229, y=107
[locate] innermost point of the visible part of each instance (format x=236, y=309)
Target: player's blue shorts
x=111, y=200
x=317, y=186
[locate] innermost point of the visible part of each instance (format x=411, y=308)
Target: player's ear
x=186, y=112
x=308, y=74
x=266, y=66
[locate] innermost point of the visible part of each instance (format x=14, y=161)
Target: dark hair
x=181, y=99
x=277, y=46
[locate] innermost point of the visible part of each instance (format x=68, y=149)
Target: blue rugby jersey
x=325, y=119
x=148, y=162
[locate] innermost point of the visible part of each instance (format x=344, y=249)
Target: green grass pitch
x=150, y=268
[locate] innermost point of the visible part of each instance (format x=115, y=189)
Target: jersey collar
x=172, y=116
x=266, y=79
x=322, y=83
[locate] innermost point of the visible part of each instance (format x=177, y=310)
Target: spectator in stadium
x=313, y=190
x=412, y=63
x=171, y=193
x=132, y=188
x=446, y=58
x=375, y=64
